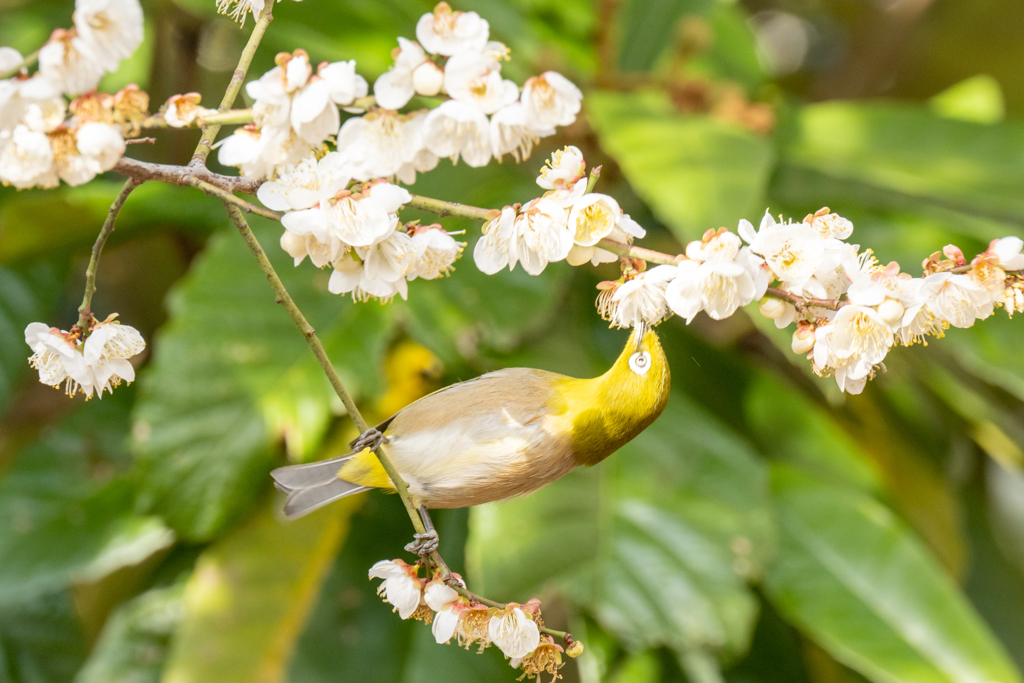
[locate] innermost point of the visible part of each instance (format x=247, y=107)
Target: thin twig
x=234, y=86
x=309, y=334
x=28, y=61
x=85, y=316
x=140, y=141
x=220, y=118
x=229, y=198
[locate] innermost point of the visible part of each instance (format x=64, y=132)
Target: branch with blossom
x=329, y=160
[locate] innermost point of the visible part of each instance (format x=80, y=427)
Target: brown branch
x=183, y=175
x=805, y=302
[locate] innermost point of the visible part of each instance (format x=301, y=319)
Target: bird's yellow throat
x=605, y=412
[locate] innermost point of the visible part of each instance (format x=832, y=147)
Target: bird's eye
x=640, y=362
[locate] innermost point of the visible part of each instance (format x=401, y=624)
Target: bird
x=503, y=434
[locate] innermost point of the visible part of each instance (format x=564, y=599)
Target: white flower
x=69, y=63
x=389, y=260
x=375, y=272
x=313, y=115
x=53, y=355
x=550, y=100
x=1008, y=252
x=106, y=352
x=400, y=587
x=565, y=168
x=515, y=634
x=958, y=299
x=394, y=88
x=344, y=85
x=364, y=220
x=436, y=253
x=26, y=159
x=681, y=294
x=542, y=235
x=102, y=144
x=182, y=110
x=260, y=153
x=853, y=343
x=427, y=79
x=456, y=129
x=423, y=160
x=494, y=250
x=305, y=184
x=640, y=299
x=831, y=225
x=511, y=134
x=593, y=218
x=111, y=28
x=475, y=78
x=10, y=58
x=380, y=143
x=445, y=32
x=793, y=251
x=442, y=599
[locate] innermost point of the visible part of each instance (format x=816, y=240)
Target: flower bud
x=575, y=649
x=803, y=340
x=771, y=308
x=891, y=311
x=427, y=79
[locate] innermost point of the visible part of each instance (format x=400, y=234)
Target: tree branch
x=85, y=316
x=184, y=175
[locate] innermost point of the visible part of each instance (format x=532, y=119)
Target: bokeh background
x=766, y=529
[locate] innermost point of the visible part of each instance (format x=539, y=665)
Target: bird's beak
x=639, y=332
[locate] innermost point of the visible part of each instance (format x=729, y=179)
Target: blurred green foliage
x=765, y=529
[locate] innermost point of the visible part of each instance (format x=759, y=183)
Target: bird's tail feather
x=313, y=485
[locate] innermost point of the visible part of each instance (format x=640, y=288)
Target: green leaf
x=40, y=639
x=978, y=99
x=250, y=594
x=852, y=577
x=25, y=296
x=66, y=522
x=695, y=172
x=648, y=28
x=231, y=375
x=909, y=157
x=135, y=641
x=658, y=542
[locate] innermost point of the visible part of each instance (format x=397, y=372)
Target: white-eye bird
x=503, y=434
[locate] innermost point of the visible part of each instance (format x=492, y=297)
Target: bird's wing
x=519, y=393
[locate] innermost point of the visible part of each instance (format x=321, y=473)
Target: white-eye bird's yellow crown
x=503, y=434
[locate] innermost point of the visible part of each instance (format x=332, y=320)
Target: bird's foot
x=371, y=439
x=424, y=544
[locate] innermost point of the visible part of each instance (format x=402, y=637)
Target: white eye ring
x=640, y=362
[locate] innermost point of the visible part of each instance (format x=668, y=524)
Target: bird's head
x=642, y=363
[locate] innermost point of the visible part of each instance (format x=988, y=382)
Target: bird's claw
x=424, y=544
x=371, y=439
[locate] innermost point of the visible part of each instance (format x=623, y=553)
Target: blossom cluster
x=453, y=60
x=849, y=309
x=565, y=223
x=39, y=144
x=357, y=231
x=515, y=629
x=97, y=364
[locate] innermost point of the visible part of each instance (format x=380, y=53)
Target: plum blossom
x=594, y=217
x=183, y=110
x=401, y=587
x=512, y=134
x=384, y=143
x=541, y=235
x=563, y=170
x=305, y=183
x=446, y=603
x=958, y=299
x=550, y=100
x=111, y=28
x=493, y=251
x=720, y=276
x=436, y=252
x=459, y=130
x=852, y=344
x=394, y=88
x=69, y=63
x=639, y=299
x=793, y=251
x=101, y=363
x=445, y=32
x=474, y=77
x=515, y=633
x=26, y=158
